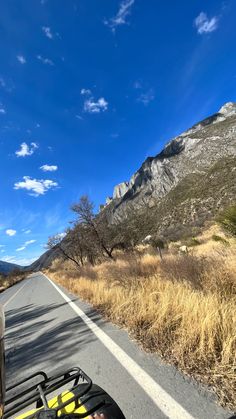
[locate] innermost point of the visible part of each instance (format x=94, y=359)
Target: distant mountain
x=44, y=261
x=6, y=268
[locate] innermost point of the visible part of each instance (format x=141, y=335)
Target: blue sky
x=88, y=90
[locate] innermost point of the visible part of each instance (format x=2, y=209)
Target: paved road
x=46, y=329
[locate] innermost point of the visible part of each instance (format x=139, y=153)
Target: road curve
x=49, y=329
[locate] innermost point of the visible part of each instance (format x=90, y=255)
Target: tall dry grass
x=182, y=307
x=7, y=281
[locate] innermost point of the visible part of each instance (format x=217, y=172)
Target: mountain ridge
x=180, y=157
x=180, y=188
x=6, y=267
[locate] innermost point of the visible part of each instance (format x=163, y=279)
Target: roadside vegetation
x=180, y=305
x=7, y=281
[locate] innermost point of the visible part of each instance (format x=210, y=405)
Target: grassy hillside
x=182, y=307
x=187, y=207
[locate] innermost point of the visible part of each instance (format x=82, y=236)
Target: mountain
x=189, y=180
x=44, y=261
x=6, y=268
x=175, y=192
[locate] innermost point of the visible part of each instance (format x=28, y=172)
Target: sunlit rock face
x=120, y=190
x=194, y=151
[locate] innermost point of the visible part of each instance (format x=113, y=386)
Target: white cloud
x=20, y=249
x=86, y=92
x=21, y=59
x=47, y=31
x=2, y=111
x=92, y=106
x=45, y=60
x=48, y=168
x=26, y=231
x=79, y=117
x=37, y=125
x=26, y=150
x=121, y=16
x=27, y=243
x=23, y=262
x=2, y=245
x=146, y=97
x=36, y=187
x=205, y=25
x=10, y=232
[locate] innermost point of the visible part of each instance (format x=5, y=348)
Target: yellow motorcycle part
x=55, y=402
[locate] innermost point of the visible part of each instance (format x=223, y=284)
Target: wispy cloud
x=47, y=32
x=91, y=105
x=46, y=61
x=121, y=17
x=2, y=82
x=49, y=168
x=27, y=243
x=2, y=110
x=20, y=249
x=35, y=187
x=10, y=232
x=137, y=85
x=6, y=85
x=26, y=231
x=206, y=25
x=23, y=262
x=21, y=59
x=146, y=97
x=26, y=150
x=86, y=92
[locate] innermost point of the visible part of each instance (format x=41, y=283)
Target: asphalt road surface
x=49, y=329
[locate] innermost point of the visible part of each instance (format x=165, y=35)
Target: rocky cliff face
x=193, y=152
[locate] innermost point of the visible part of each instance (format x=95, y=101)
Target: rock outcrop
x=192, y=152
x=120, y=190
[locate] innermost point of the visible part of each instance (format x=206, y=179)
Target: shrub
x=228, y=219
x=217, y=238
x=187, y=268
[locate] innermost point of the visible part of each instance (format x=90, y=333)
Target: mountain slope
x=6, y=267
x=185, y=159
x=175, y=192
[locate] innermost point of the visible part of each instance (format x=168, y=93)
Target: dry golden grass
x=10, y=280
x=183, y=308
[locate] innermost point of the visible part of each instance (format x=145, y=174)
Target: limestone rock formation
x=192, y=152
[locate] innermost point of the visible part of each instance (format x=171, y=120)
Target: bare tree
x=97, y=226
x=68, y=246
x=158, y=243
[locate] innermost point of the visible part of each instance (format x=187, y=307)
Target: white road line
x=14, y=295
x=159, y=396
